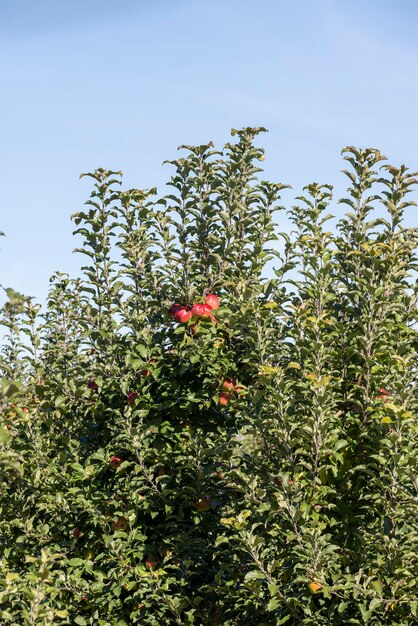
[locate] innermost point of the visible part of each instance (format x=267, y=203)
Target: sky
x=88, y=84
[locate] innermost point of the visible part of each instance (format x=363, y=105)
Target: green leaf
x=254, y=575
x=5, y=436
x=375, y=603
x=273, y=604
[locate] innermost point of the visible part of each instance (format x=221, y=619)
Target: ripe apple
x=224, y=397
x=76, y=533
x=174, y=309
x=314, y=586
x=201, y=310
x=228, y=384
x=132, y=396
x=150, y=563
x=203, y=504
x=212, y=300
x=92, y=385
x=25, y=409
x=183, y=315
x=384, y=395
x=115, y=461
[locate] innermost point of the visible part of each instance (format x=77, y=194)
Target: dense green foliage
x=131, y=495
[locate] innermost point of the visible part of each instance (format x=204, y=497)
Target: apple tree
x=216, y=422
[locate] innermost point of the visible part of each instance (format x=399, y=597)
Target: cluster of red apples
x=229, y=387
x=183, y=314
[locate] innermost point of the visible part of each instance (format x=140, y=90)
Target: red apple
x=115, y=461
x=132, y=396
x=203, y=504
x=174, y=309
x=212, y=300
x=150, y=563
x=92, y=385
x=228, y=384
x=25, y=409
x=146, y=373
x=183, y=315
x=201, y=310
x=76, y=533
x=224, y=397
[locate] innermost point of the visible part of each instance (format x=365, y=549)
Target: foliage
x=255, y=465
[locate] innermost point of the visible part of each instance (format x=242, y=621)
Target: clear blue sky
x=87, y=84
